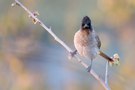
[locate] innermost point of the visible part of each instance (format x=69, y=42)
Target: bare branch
x=106, y=73
x=63, y=44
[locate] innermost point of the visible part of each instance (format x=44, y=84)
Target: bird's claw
x=72, y=54
x=89, y=68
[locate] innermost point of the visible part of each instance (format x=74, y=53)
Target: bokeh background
x=30, y=59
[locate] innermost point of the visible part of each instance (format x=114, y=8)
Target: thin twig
x=106, y=73
x=64, y=45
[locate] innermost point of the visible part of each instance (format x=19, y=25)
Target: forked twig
x=92, y=72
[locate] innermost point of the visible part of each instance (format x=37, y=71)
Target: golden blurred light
x=105, y=5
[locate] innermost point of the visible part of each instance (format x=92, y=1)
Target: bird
x=87, y=42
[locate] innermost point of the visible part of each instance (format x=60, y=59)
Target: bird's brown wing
x=98, y=41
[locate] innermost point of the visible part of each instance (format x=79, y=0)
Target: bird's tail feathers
x=105, y=56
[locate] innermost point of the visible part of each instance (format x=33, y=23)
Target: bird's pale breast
x=86, y=43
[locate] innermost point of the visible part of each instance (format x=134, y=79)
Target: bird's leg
x=71, y=54
x=89, y=67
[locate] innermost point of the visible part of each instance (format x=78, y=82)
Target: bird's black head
x=86, y=23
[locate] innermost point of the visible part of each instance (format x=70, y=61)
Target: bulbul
x=87, y=42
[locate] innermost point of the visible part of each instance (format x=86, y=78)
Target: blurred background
x=30, y=59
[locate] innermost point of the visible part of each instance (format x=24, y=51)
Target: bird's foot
x=72, y=54
x=89, y=68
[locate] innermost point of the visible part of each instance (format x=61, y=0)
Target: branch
x=106, y=73
x=34, y=17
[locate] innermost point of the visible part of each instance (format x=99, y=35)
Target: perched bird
x=87, y=42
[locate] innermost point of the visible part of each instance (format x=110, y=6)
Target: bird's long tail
x=106, y=56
